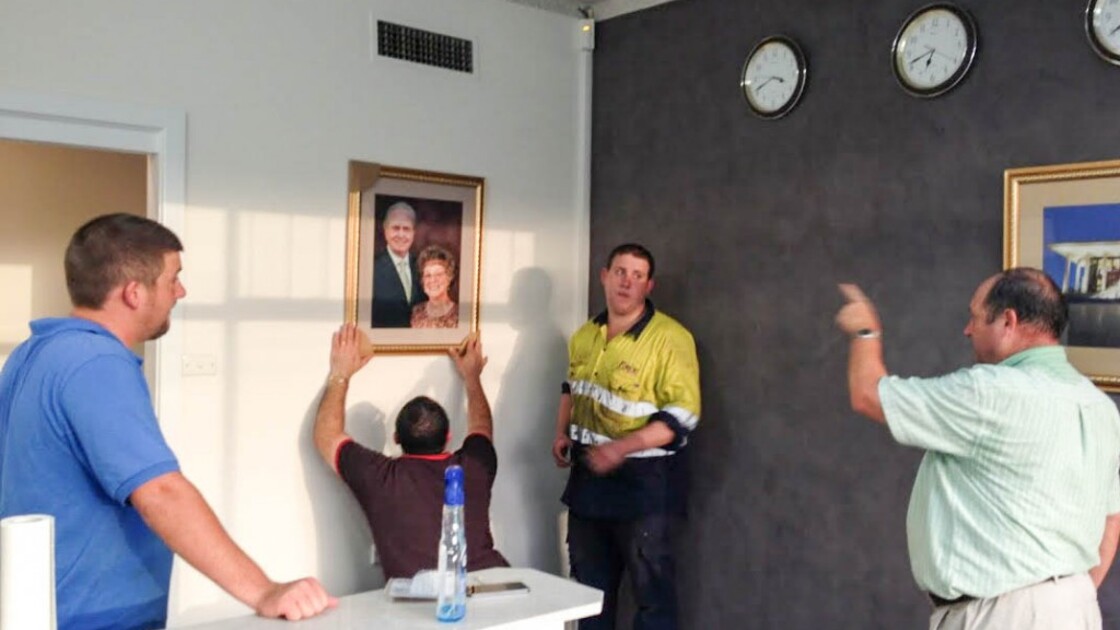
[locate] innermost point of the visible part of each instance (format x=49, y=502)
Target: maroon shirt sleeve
x=480, y=449
x=359, y=466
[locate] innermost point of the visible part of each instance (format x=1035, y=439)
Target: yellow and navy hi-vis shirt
x=647, y=374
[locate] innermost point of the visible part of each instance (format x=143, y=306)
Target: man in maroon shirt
x=402, y=497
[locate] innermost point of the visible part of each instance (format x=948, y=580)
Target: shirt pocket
x=625, y=383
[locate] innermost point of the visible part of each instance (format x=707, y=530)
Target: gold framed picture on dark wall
x=1065, y=220
x=413, y=256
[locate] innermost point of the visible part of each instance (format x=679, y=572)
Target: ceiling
x=599, y=9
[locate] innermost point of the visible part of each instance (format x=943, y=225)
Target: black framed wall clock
x=1102, y=27
x=934, y=49
x=773, y=77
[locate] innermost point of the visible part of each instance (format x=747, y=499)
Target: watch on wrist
x=867, y=333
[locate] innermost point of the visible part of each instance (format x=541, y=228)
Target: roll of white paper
x=27, y=573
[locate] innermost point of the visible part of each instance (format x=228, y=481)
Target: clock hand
x=943, y=55
x=767, y=82
x=1113, y=31
x=919, y=57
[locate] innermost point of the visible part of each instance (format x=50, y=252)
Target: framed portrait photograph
x=413, y=256
x=1065, y=220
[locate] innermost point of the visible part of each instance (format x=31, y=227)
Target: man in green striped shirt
x=1015, y=512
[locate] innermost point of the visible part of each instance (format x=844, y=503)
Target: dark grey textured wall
x=798, y=506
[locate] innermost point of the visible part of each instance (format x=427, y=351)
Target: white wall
x=279, y=94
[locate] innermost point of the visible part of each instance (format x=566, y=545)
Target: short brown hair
x=422, y=427
x=635, y=250
x=112, y=249
x=435, y=253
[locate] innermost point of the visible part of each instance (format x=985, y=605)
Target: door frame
x=159, y=133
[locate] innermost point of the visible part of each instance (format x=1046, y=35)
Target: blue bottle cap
x=453, y=485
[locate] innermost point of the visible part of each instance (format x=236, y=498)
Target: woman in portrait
x=437, y=273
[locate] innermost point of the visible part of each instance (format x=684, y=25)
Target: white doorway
x=159, y=135
x=46, y=192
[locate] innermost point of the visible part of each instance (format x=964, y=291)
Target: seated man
x=403, y=497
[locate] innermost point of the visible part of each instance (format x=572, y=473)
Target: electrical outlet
x=199, y=365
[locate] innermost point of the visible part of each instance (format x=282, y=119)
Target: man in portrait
x=396, y=276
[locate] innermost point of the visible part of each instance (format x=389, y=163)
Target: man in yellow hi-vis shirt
x=631, y=399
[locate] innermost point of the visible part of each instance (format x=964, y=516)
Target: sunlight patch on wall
x=289, y=256
x=205, y=256
x=502, y=252
x=311, y=241
x=263, y=249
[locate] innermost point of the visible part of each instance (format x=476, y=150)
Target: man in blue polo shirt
x=1015, y=512
x=79, y=440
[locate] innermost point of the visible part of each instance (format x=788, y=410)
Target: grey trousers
x=1068, y=603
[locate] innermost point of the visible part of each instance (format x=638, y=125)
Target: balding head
x=1015, y=310
x=1033, y=295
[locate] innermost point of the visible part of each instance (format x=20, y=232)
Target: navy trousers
x=601, y=549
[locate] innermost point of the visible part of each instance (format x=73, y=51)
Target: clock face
x=1102, y=25
x=773, y=77
x=934, y=49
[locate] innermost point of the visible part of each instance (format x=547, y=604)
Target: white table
x=551, y=601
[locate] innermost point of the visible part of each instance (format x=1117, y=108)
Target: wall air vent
x=426, y=47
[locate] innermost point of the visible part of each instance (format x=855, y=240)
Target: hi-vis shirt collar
x=638, y=327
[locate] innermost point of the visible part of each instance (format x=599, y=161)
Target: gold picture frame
x=446, y=213
x=1065, y=219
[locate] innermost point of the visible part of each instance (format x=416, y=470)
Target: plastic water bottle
x=451, y=605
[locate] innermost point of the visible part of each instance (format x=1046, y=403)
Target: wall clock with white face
x=934, y=49
x=1102, y=26
x=773, y=76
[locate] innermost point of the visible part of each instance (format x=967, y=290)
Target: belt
x=964, y=599
x=941, y=601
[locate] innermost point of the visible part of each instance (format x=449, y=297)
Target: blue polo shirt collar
x=48, y=326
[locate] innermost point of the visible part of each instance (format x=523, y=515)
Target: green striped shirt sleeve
x=935, y=414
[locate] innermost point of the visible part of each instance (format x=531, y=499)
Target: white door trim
x=159, y=133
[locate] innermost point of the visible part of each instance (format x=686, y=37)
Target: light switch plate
x=199, y=365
